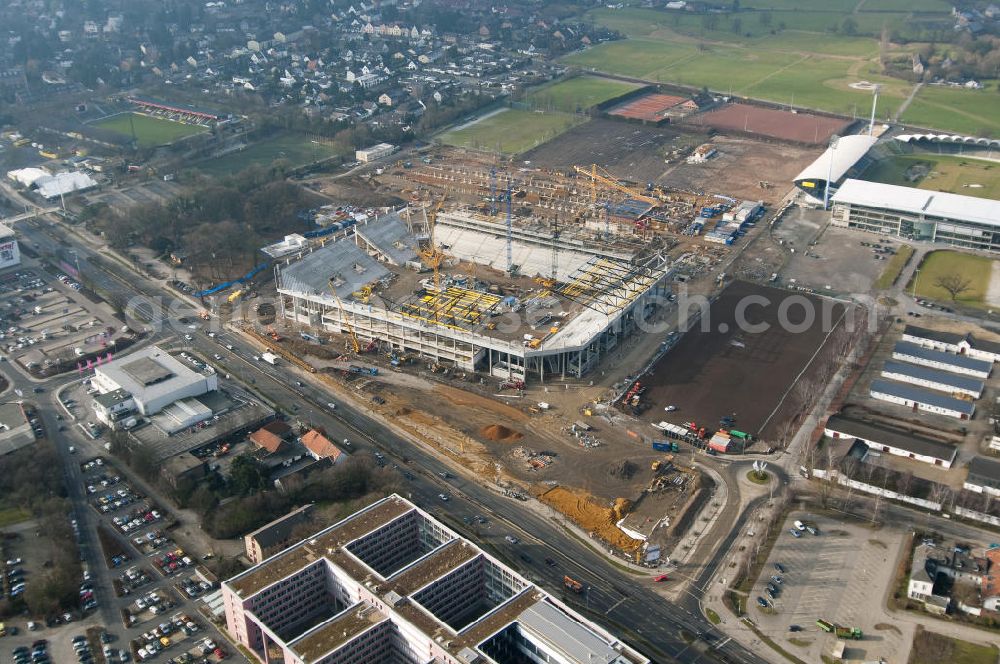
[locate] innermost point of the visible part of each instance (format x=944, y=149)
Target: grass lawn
x=577, y=94
x=511, y=131
x=790, y=54
x=966, y=111
x=149, y=131
x=895, y=265
x=950, y=173
x=976, y=269
x=932, y=648
x=298, y=149
x=11, y=515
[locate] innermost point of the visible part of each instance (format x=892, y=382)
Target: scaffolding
x=608, y=286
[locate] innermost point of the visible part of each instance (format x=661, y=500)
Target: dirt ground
x=727, y=371
x=354, y=190
x=836, y=262
x=740, y=166
x=771, y=123
x=629, y=151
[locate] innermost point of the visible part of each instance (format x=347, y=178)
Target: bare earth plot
x=726, y=370
x=772, y=123
x=629, y=151
x=740, y=166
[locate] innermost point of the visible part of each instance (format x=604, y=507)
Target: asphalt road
x=624, y=602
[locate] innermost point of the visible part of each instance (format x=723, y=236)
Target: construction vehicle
x=235, y=295
x=271, y=332
x=355, y=369
x=204, y=315
x=666, y=446
x=854, y=633
x=572, y=584
x=433, y=256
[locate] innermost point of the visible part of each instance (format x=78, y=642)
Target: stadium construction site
x=518, y=301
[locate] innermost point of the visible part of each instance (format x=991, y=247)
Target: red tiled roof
x=266, y=439
x=991, y=580
x=320, y=446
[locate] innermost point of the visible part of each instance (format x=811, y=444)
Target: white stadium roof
x=919, y=202
x=848, y=151
x=957, y=139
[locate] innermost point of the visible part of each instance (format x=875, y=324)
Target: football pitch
x=511, y=131
x=149, y=131
x=935, y=172
x=578, y=93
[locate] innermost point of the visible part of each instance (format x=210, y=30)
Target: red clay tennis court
x=650, y=108
x=773, y=123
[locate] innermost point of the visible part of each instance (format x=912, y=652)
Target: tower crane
x=433, y=256
x=343, y=316
x=599, y=175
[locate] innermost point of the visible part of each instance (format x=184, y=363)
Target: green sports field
x=149, y=131
x=511, y=131
x=785, y=52
x=577, y=94
x=297, y=149
x=934, y=172
x=977, y=269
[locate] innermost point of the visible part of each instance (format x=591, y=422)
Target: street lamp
x=829, y=172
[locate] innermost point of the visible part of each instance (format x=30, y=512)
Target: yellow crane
x=433, y=256
x=343, y=316
x=599, y=175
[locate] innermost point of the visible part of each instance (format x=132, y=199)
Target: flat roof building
x=916, y=214
x=892, y=441
x=936, y=359
x=935, y=379
x=392, y=584
x=984, y=476
x=374, y=152
x=154, y=378
x=921, y=399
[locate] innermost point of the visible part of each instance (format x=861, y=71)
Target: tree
x=736, y=25
x=954, y=283
x=246, y=475
x=849, y=26
x=765, y=19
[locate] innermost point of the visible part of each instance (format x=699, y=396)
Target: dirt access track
x=742, y=358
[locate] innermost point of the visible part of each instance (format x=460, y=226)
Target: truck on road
x=572, y=584
x=269, y=357
x=841, y=632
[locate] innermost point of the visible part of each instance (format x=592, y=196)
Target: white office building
x=153, y=379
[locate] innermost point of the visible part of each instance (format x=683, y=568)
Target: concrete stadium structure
x=541, y=302
x=917, y=214
x=391, y=584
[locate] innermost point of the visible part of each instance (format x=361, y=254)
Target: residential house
x=275, y=536
x=320, y=447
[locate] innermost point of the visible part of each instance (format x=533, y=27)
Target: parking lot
x=45, y=321
x=840, y=575
x=838, y=262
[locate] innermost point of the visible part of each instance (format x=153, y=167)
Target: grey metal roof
x=913, y=350
x=934, y=375
x=920, y=395
x=983, y=468
x=344, y=261
x=391, y=236
x=919, y=202
x=952, y=338
x=882, y=435
x=570, y=638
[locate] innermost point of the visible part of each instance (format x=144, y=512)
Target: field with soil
x=726, y=366
x=629, y=151
x=772, y=123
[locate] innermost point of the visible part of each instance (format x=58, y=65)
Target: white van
x=799, y=525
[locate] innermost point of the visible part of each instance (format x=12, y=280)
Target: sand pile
x=591, y=515
x=499, y=432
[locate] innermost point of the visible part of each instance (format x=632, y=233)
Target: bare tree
x=954, y=283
